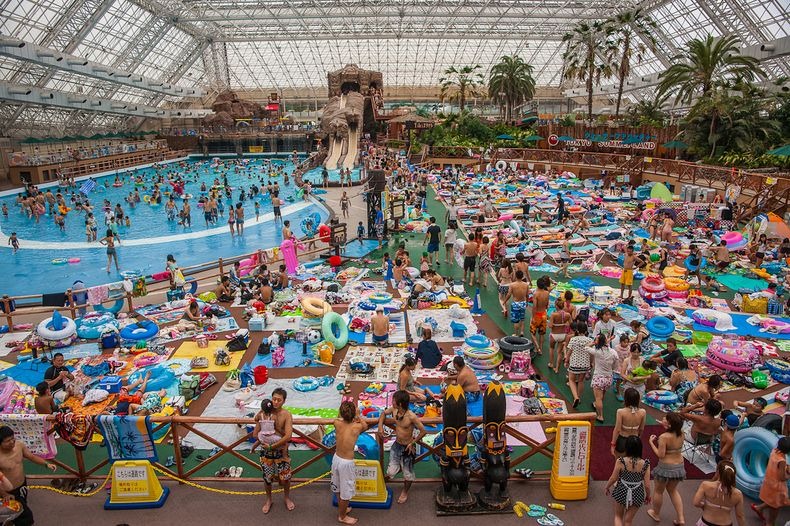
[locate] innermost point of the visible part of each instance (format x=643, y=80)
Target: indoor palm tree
x=626, y=28
x=706, y=64
x=511, y=83
x=459, y=83
x=587, y=57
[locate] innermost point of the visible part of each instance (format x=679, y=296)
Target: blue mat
x=355, y=249
x=293, y=357
x=737, y=282
x=742, y=328
x=473, y=409
x=29, y=373
x=82, y=350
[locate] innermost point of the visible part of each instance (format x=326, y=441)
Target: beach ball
x=335, y=261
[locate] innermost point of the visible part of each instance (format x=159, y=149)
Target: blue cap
x=732, y=421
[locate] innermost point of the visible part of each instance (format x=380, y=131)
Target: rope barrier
x=230, y=492
x=99, y=488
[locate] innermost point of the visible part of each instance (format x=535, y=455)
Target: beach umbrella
x=668, y=211
x=782, y=151
x=675, y=145
x=529, y=120
x=505, y=137
x=660, y=191
x=776, y=227
x=565, y=138
x=534, y=138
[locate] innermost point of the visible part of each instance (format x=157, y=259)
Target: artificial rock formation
x=228, y=107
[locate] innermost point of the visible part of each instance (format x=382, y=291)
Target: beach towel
x=98, y=294
x=32, y=431
x=77, y=430
x=55, y=299
x=128, y=437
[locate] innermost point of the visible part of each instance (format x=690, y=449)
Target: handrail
x=180, y=425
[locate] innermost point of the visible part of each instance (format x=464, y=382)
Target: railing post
x=80, y=463
x=8, y=316
x=221, y=270
x=177, y=446
x=72, y=307
x=129, y=303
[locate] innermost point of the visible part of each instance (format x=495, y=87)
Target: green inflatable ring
x=328, y=324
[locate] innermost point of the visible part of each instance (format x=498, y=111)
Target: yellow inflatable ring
x=457, y=300
x=761, y=272
x=674, y=271
x=146, y=199
x=315, y=306
x=676, y=284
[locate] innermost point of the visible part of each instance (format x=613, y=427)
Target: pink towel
x=98, y=294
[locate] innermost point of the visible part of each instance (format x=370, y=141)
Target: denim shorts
x=401, y=460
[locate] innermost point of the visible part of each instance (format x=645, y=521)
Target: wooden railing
x=180, y=425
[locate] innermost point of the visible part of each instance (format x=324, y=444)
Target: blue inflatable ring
x=693, y=268
x=304, y=384
x=142, y=330
x=315, y=218
x=380, y=297
x=161, y=377
x=753, y=446
x=367, y=305
x=333, y=321
x=662, y=397
x=477, y=341
x=660, y=327
x=366, y=446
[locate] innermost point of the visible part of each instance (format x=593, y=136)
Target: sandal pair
x=550, y=520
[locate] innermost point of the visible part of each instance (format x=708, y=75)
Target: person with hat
x=726, y=442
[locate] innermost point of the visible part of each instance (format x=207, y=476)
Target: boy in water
x=344, y=480
x=60, y=221
x=5, y=210
x=14, y=242
x=404, y=448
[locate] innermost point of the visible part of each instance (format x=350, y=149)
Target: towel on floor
x=128, y=437
x=32, y=431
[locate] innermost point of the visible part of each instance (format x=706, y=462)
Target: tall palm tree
x=626, y=27
x=458, y=83
x=511, y=83
x=587, y=57
x=704, y=65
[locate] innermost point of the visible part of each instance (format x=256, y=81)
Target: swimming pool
x=146, y=243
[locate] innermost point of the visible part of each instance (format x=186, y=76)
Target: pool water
x=150, y=238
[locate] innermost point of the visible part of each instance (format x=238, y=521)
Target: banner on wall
x=256, y=149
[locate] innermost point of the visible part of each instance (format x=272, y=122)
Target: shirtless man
x=522, y=265
x=627, y=278
x=722, y=256
x=517, y=293
x=465, y=377
x=404, y=449
x=470, y=260
x=540, y=307
x=286, y=232
x=275, y=461
x=437, y=281
x=11, y=455
x=45, y=402
x=344, y=480
x=380, y=326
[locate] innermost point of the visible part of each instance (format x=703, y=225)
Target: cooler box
x=110, y=340
x=257, y=323
x=111, y=384
x=175, y=294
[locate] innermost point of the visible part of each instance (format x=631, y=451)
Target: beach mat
x=191, y=350
x=293, y=357
x=742, y=327
x=355, y=249
x=472, y=409
x=737, y=282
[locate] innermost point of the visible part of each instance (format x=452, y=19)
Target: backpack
x=221, y=357
x=239, y=341
x=264, y=348
x=189, y=386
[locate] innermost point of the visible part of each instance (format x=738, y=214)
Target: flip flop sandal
x=556, y=521
x=78, y=487
x=89, y=487
x=56, y=483
x=239, y=471
x=171, y=461
x=225, y=472
x=214, y=451
x=200, y=458
x=525, y=472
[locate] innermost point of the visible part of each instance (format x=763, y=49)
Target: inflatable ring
x=304, y=384
x=477, y=341
x=731, y=237
x=662, y=397
x=366, y=445
x=142, y=330
x=485, y=364
x=146, y=199
x=74, y=260
x=501, y=166
x=660, y=327
x=505, y=217
x=380, y=298
x=779, y=369
x=60, y=261
x=676, y=284
x=516, y=227
x=315, y=307
x=145, y=358
x=328, y=324
x=161, y=377
x=653, y=283
x=693, y=268
x=750, y=455
x=510, y=344
x=46, y=330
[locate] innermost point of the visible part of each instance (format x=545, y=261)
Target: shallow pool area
x=150, y=236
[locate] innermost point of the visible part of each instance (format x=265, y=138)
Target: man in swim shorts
x=432, y=238
x=344, y=478
x=627, y=277
x=380, y=326
x=517, y=293
x=540, y=306
x=470, y=259
x=275, y=462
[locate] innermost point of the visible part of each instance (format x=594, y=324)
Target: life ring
x=729, y=356
x=315, y=307
x=501, y=166
x=146, y=199
x=510, y=344
x=304, y=384
x=660, y=327
x=653, y=283
x=117, y=185
x=505, y=217
x=145, y=359
x=56, y=327
x=516, y=227
x=731, y=237
x=477, y=341
x=60, y=261
x=693, y=268
x=315, y=220
x=575, y=209
x=485, y=363
x=142, y=330
x=328, y=324
x=779, y=369
x=653, y=295
x=676, y=284
x=380, y=298
x=74, y=260
x=750, y=455
x=662, y=397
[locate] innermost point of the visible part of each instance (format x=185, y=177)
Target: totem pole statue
x=494, y=456
x=454, y=494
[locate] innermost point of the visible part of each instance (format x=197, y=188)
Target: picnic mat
x=10, y=337
x=397, y=335
x=387, y=362
x=742, y=327
x=737, y=282
x=293, y=357
x=282, y=323
x=162, y=317
x=191, y=350
x=472, y=409
x=443, y=320
x=355, y=249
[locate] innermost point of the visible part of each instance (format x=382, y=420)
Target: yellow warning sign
x=135, y=485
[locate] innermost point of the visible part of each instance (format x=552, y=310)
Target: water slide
x=351, y=149
x=335, y=147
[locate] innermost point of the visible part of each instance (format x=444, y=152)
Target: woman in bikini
x=560, y=321
x=719, y=497
x=670, y=470
x=629, y=421
x=112, y=254
x=232, y=221
x=666, y=229
x=505, y=277
x=633, y=361
x=406, y=381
